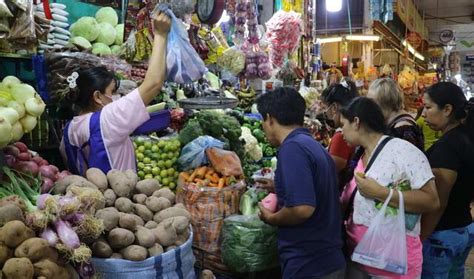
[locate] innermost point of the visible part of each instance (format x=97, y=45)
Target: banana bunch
x=246, y=98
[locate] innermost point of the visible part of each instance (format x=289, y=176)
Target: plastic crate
x=158, y=121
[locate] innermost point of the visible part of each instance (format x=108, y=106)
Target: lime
x=158, y=178
x=170, y=172
x=147, y=144
x=172, y=185
x=140, y=165
x=149, y=176
x=170, y=155
x=155, y=156
x=155, y=148
x=141, y=148
x=161, y=144
x=161, y=164
x=146, y=160
x=165, y=181
x=176, y=175
x=164, y=173
x=164, y=156
x=155, y=171
x=141, y=174
x=168, y=163
x=147, y=169
x=140, y=156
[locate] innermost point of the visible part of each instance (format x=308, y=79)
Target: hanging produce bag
x=177, y=263
x=248, y=244
x=193, y=154
x=183, y=63
x=384, y=244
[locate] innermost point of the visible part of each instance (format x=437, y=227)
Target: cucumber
x=155, y=108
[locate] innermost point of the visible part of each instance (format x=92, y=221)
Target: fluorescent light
x=458, y=77
x=362, y=38
x=419, y=56
x=329, y=40
x=413, y=51
x=333, y=6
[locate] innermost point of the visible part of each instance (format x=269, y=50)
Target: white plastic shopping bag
x=384, y=244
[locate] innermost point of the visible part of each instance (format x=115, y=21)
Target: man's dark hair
x=284, y=104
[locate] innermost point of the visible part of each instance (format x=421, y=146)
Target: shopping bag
x=182, y=61
x=384, y=244
x=193, y=154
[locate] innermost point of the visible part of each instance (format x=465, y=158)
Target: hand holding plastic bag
x=193, y=154
x=384, y=244
x=183, y=63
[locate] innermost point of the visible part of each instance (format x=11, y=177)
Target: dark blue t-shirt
x=306, y=175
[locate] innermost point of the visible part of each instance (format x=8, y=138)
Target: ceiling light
x=363, y=38
x=333, y=6
x=329, y=40
x=419, y=56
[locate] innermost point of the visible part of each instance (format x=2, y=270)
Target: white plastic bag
x=193, y=154
x=384, y=244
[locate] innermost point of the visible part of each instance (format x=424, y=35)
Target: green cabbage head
x=107, y=34
x=86, y=27
x=119, y=35
x=101, y=49
x=107, y=14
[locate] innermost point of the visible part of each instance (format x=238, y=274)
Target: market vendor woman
x=99, y=136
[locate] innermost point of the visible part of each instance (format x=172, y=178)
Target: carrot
x=212, y=185
x=184, y=175
x=201, y=173
x=210, y=171
x=213, y=178
x=192, y=176
x=221, y=183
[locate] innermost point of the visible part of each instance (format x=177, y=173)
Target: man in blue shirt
x=308, y=219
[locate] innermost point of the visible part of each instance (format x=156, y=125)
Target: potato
x=5, y=254
x=143, y=212
x=110, y=197
x=180, y=205
x=119, y=238
x=61, y=186
x=110, y=216
x=139, y=198
x=116, y=256
x=165, y=193
x=182, y=238
x=124, y=205
x=128, y=221
x=101, y=249
x=34, y=249
x=180, y=223
x=10, y=212
x=18, y=268
x=165, y=233
x=49, y=269
x=139, y=220
x=132, y=178
x=120, y=183
x=148, y=186
x=134, y=253
x=16, y=200
x=97, y=177
x=14, y=233
x=155, y=250
x=171, y=212
x=156, y=204
x=151, y=225
x=169, y=248
x=207, y=274
x=144, y=237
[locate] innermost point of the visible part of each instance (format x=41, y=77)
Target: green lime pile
x=157, y=159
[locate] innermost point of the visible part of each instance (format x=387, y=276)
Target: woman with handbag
x=449, y=231
x=387, y=163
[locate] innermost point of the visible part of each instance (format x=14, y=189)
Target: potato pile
x=141, y=219
x=24, y=256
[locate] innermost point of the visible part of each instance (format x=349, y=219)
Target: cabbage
x=107, y=34
x=116, y=50
x=80, y=42
x=101, y=49
x=108, y=15
x=119, y=35
x=86, y=27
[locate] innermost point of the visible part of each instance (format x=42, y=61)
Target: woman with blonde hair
x=388, y=95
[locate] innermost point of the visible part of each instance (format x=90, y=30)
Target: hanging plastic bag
x=384, y=244
x=183, y=63
x=193, y=154
x=225, y=162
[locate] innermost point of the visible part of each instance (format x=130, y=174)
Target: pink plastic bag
x=270, y=202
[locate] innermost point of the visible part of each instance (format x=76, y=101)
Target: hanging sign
x=414, y=39
x=470, y=57
x=446, y=36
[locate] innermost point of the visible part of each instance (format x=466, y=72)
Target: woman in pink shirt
x=99, y=136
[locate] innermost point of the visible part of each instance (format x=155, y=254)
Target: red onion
x=55, y=169
x=27, y=167
x=50, y=236
x=37, y=159
x=67, y=235
x=11, y=150
x=47, y=185
x=11, y=160
x=62, y=174
x=41, y=201
x=44, y=163
x=24, y=156
x=47, y=171
x=21, y=146
x=75, y=218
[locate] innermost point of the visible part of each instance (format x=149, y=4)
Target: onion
x=24, y=156
x=21, y=146
x=35, y=106
x=11, y=150
x=5, y=131
x=62, y=175
x=22, y=92
x=47, y=171
x=19, y=108
x=9, y=81
x=67, y=235
x=50, y=236
x=37, y=160
x=17, y=131
x=55, y=169
x=41, y=201
x=29, y=123
x=47, y=185
x=11, y=160
x=75, y=218
x=27, y=167
x=9, y=114
x=43, y=163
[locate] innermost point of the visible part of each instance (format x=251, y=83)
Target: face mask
x=114, y=97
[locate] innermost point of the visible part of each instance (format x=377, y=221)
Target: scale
x=206, y=98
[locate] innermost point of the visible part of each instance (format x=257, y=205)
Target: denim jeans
x=445, y=252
